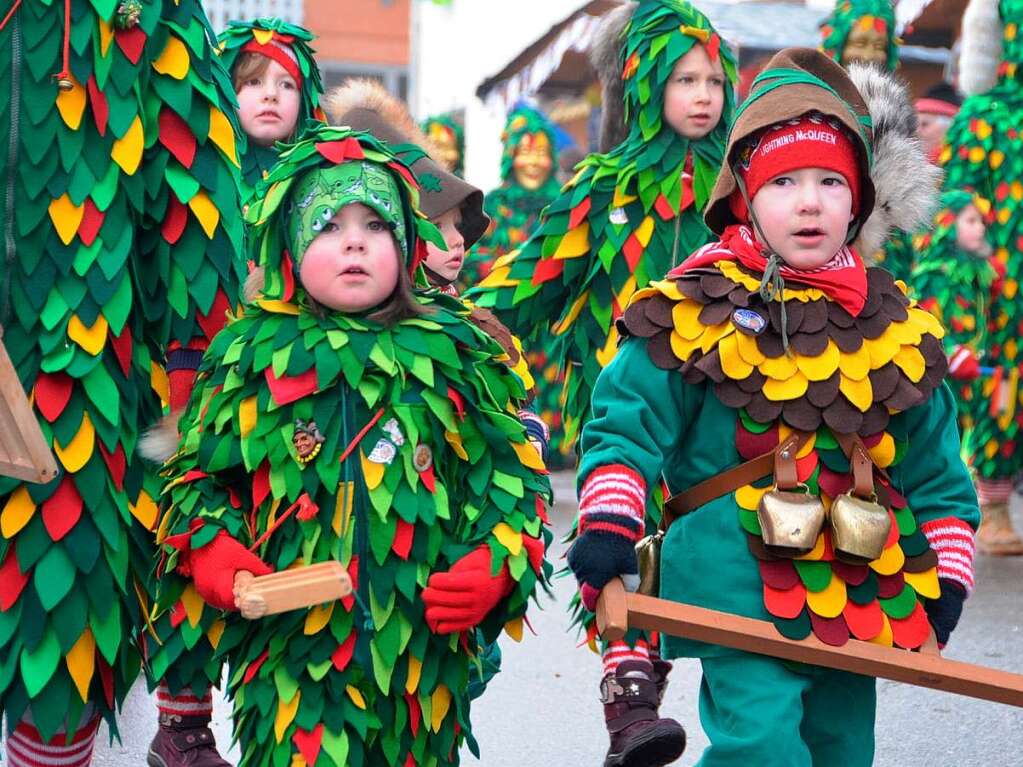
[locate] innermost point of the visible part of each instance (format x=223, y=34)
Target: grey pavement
x=542, y=709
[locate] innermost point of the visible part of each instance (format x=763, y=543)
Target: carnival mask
x=532, y=164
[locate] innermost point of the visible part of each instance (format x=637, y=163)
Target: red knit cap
x=810, y=141
x=279, y=50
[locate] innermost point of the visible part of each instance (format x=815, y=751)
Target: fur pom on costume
x=361, y=93
x=254, y=282
x=605, y=55
x=160, y=441
x=905, y=181
x=981, y=47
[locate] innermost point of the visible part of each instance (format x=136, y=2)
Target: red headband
x=278, y=50
x=810, y=141
x=936, y=107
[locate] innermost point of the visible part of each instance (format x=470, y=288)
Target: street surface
x=543, y=708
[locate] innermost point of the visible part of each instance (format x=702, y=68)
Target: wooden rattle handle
x=292, y=589
x=612, y=611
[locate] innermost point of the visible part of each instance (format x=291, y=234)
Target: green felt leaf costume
x=118, y=186
x=420, y=459
x=984, y=153
x=626, y=218
x=444, y=130
x=848, y=14
x=257, y=160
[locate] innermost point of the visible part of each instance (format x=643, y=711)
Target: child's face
x=695, y=94
x=353, y=263
x=447, y=263
x=268, y=105
x=970, y=230
x=804, y=215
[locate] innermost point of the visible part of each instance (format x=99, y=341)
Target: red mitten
x=215, y=565
x=963, y=365
x=459, y=599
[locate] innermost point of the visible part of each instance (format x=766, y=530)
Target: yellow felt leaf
x=66, y=217
x=159, y=382
x=881, y=350
x=911, y=362
x=685, y=317
x=498, y=278
x=174, y=60
x=575, y=243
x=621, y=199
x=145, y=510
x=263, y=36
x=317, y=618
x=528, y=456
x=605, y=355
x=645, y=230
x=681, y=347
x=415, y=671
x=666, y=287
x=513, y=628
x=161, y=534
x=855, y=365
x=206, y=212
x=624, y=296
x=748, y=497
x=17, y=512
x=372, y=472
x=886, y=637
x=343, y=507
x=860, y=393
x=455, y=440
x=79, y=450
x=278, y=307
x=215, y=633
x=890, y=562
x=817, y=553
x=784, y=432
x=925, y=584
x=91, y=339
x=193, y=603
x=748, y=349
x=286, y=711
x=830, y=602
x=883, y=453
x=106, y=36
x=440, y=702
x=821, y=367
x=713, y=334
x=791, y=388
x=573, y=313
x=71, y=103
x=356, y=696
x=222, y=134
x=297, y=760
x=247, y=415
x=127, y=150
x=81, y=662
x=732, y=363
x=779, y=368
x=508, y=538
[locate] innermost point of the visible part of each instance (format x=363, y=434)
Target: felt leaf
x=415, y=670
x=528, y=456
x=52, y=392
x=90, y=338
x=66, y=216
x=39, y=665
x=127, y=150
x=17, y=512
x=79, y=450
x=343, y=654
x=287, y=389
x=356, y=696
x=221, y=133
x=12, y=580
x=514, y=629
x=285, y=715
x=508, y=538
x=62, y=510
x=176, y=135
x=174, y=61
x=247, y=416
x=81, y=663
x=373, y=473
x=440, y=702
x=317, y=618
x=145, y=510
x=829, y=602
x=71, y=103
x=206, y=212
x=308, y=742
x=336, y=746
x=925, y=584
x=787, y=603
x=193, y=603
x=890, y=562
x=864, y=621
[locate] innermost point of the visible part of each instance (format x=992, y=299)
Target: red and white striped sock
x=620, y=651
x=185, y=703
x=26, y=748
x=952, y=540
x=993, y=490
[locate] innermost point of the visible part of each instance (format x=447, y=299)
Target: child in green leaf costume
x=448, y=136
x=277, y=81
x=861, y=31
x=122, y=241
x=984, y=152
x=345, y=418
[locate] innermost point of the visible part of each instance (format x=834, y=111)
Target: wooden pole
x=292, y=589
x=618, y=611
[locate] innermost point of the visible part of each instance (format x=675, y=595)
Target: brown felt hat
x=440, y=190
x=789, y=101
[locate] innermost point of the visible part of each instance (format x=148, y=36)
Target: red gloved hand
x=459, y=599
x=963, y=365
x=215, y=565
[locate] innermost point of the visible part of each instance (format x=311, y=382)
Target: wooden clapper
x=618, y=610
x=24, y=453
x=290, y=589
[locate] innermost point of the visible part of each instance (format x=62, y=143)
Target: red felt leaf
x=663, y=208
x=115, y=462
x=339, y=151
x=178, y=614
x=579, y=213
x=547, y=269
x=261, y=484
x=779, y=574
x=52, y=392
x=806, y=465
x=750, y=445
x=688, y=198
x=458, y=402
x=122, y=345
x=308, y=742
x=106, y=675
x=403, y=172
x=343, y=654
x=833, y=483
x=402, y=543
x=131, y=41
x=348, y=602
x=633, y=251
x=429, y=479
x=890, y=586
x=865, y=621
x=12, y=581
x=415, y=714
x=63, y=509
x=254, y=667
x=541, y=510
x=410, y=761
x=713, y=46
x=852, y=575
x=291, y=388
x=177, y=137
x=174, y=220
x=92, y=220
x=288, y=273
x=832, y=631
x=213, y=321
x=100, y=108
x=912, y=631
x=785, y=603
x=307, y=509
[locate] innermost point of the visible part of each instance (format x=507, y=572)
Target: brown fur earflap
x=605, y=55
x=362, y=93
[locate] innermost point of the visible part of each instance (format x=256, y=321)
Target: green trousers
x=760, y=711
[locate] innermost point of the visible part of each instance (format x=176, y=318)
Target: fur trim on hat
x=605, y=55
x=906, y=184
x=981, y=47
x=160, y=441
x=363, y=93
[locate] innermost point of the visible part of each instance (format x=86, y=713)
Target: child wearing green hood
x=346, y=418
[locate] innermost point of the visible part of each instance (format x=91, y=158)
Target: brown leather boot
x=639, y=737
x=184, y=741
x=996, y=535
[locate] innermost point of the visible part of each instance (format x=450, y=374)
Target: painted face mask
x=861, y=31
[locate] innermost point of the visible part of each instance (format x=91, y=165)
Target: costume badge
x=394, y=432
x=749, y=320
x=618, y=216
x=384, y=451
x=128, y=14
x=422, y=458
x=308, y=441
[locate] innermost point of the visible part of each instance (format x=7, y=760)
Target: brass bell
x=65, y=84
x=859, y=528
x=790, y=521
x=648, y=555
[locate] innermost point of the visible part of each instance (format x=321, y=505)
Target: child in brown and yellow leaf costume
x=777, y=343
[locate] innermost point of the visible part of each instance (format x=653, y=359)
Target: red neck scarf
x=843, y=279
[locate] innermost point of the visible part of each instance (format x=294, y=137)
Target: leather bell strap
x=862, y=465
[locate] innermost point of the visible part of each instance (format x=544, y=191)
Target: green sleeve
x=932, y=476
x=640, y=415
